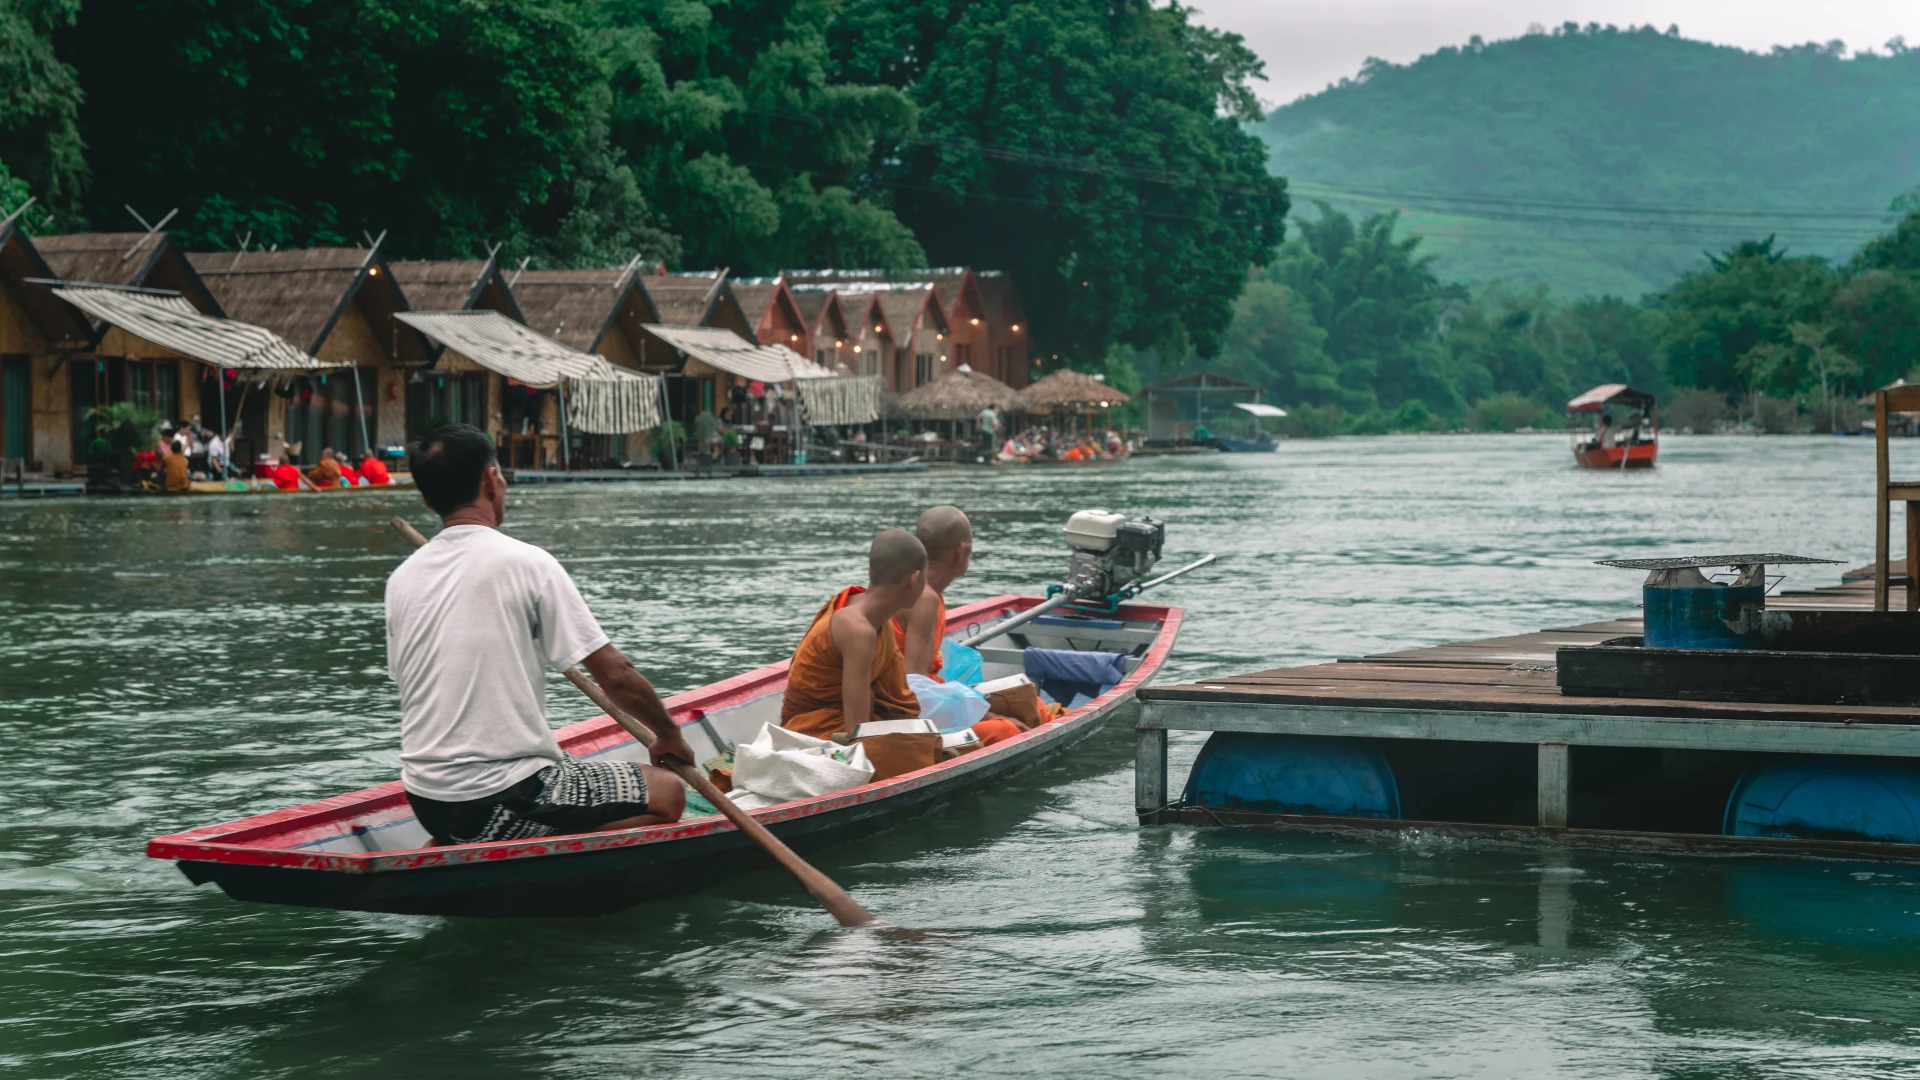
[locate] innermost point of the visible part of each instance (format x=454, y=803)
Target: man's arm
x=922, y=632
x=854, y=637
x=635, y=695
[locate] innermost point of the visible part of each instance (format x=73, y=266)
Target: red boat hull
x=275, y=857
x=1639, y=456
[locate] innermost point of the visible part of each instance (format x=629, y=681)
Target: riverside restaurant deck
x=1479, y=738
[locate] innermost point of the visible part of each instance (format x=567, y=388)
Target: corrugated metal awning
x=172, y=323
x=602, y=399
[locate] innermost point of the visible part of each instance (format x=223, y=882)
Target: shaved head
x=894, y=557
x=941, y=529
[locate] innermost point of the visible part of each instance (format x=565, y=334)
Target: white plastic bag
x=951, y=706
x=782, y=765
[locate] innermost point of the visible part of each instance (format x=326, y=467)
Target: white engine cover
x=1094, y=530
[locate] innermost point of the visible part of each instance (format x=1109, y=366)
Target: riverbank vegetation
x=1350, y=327
x=1102, y=154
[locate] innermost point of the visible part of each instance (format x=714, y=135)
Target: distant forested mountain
x=1599, y=160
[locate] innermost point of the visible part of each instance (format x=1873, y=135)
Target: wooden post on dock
x=1554, y=784
x=1149, y=770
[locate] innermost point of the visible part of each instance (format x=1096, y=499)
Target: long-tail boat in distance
x=1614, y=427
x=364, y=850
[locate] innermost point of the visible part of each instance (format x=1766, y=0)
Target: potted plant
x=126, y=428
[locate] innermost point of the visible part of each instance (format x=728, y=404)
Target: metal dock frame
x=1553, y=733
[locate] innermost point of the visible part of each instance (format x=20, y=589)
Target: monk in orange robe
x=327, y=473
x=948, y=537
x=848, y=669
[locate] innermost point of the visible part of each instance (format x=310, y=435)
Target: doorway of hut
x=16, y=408
x=104, y=380
x=325, y=412
x=528, y=417
x=438, y=398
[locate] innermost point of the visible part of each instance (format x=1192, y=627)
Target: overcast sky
x=1310, y=43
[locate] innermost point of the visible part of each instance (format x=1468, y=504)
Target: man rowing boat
x=474, y=619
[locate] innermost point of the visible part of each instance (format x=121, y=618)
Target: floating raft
x=1479, y=737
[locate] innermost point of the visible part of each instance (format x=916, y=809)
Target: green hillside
x=1604, y=161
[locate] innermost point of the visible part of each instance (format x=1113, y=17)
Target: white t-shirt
x=474, y=618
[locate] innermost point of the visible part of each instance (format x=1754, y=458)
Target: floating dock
x=42, y=489
x=1484, y=741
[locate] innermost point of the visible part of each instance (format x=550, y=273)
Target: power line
x=1882, y=216
x=1701, y=228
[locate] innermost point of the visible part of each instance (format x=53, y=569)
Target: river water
x=167, y=664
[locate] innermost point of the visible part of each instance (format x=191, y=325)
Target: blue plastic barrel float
x=1828, y=799
x=1292, y=774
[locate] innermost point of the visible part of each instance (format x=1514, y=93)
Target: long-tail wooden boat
x=364, y=851
x=256, y=486
x=1614, y=427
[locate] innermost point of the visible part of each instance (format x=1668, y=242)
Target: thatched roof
x=958, y=395
x=1069, y=389
x=56, y=320
x=453, y=285
x=575, y=307
x=820, y=307
x=146, y=260
x=296, y=294
x=685, y=299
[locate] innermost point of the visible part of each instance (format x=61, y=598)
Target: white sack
x=783, y=765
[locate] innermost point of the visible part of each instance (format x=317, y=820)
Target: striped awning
x=172, y=323
x=601, y=398
x=723, y=349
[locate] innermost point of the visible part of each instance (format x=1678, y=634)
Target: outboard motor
x=1110, y=551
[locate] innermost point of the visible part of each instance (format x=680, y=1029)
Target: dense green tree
x=1748, y=297
x=40, y=104
x=1874, y=318
x=1094, y=149
x=450, y=123
x=740, y=138
x=1376, y=297
x=1896, y=250
x=1275, y=342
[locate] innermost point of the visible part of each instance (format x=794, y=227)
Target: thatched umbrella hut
x=959, y=395
x=1069, y=391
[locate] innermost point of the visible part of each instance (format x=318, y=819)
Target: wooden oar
x=818, y=885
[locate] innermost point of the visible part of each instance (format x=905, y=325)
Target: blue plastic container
x=1703, y=617
x=1828, y=799
x=1293, y=774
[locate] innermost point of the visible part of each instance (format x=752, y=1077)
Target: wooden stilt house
x=777, y=320
x=452, y=388
x=693, y=298
x=1007, y=330
x=38, y=335
x=598, y=311
x=337, y=304
x=826, y=324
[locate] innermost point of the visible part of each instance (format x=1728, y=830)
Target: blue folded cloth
x=1062, y=674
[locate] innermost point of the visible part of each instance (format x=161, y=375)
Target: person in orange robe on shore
x=848, y=669
x=374, y=470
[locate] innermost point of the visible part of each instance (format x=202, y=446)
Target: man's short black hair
x=448, y=463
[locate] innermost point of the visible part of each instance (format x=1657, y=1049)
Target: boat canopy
x=173, y=323
x=1255, y=408
x=1601, y=396
x=602, y=399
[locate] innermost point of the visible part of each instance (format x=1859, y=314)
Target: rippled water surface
x=166, y=664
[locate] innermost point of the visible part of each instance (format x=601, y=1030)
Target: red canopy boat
x=364, y=851
x=1614, y=427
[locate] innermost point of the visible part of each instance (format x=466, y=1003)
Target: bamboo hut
x=826, y=321
x=604, y=312
x=337, y=305
x=1071, y=393
x=39, y=335
x=693, y=298
x=1007, y=336
x=451, y=386
x=776, y=317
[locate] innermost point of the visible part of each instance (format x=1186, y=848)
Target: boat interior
x=736, y=715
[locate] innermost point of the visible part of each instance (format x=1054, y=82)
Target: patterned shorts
x=570, y=797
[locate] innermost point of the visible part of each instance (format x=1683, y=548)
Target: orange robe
x=375, y=472
x=939, y=635
x=175, y=469
x=325, y=474
x=813, y=705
